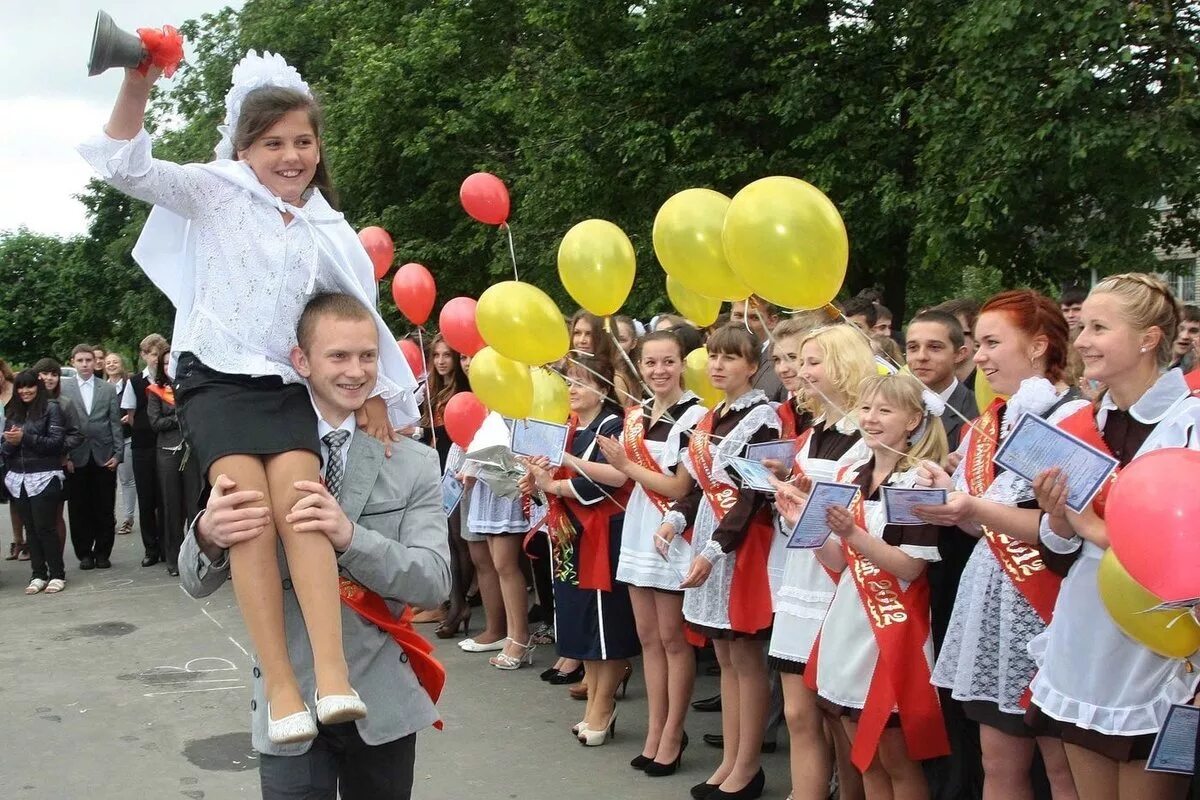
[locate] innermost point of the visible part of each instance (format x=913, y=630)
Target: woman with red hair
x=1007, y=592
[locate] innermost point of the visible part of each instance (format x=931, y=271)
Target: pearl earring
x=1143, y=350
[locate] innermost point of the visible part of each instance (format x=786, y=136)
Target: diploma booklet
x=812, y=529
x=533, y=437
x=1035, y=446
x=898, y=503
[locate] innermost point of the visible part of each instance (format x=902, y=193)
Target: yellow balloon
x=786, y=241
x=503, y=385
x=687, y=241
x=596, y=263
x=695, y=378
x=702, y=311
x=984, y=393
x=522, y=323
x=1174, y=634
x=551, y=402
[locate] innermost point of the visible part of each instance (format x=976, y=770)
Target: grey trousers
x=339, y=761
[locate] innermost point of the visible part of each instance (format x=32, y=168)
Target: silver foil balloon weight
x=113, y=47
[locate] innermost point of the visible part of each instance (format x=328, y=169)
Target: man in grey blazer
x=92, y=466
x=935, y=347
x=389, y=530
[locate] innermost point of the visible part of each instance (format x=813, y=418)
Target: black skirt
x=223, y=415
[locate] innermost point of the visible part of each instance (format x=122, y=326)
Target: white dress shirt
x=87, y=390
x=949, y=390
x=128, y=396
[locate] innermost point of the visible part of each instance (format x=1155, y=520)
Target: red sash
x=595, y=563
x=1082, y=425
x=899, y=619
x=787, y=415
x=1021, y=563
x=1193, y=381
x=634, y=438
x=419, y=653
x=164, y=393
x=750, y=602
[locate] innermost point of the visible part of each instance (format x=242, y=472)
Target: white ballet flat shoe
x=338, y=708
x=472, y=646
x=293, y=728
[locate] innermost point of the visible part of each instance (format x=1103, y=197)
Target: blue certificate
x=1175, y=746
x=533, y=437
x=898, y=503
x=452, y=492
x=754, y=475
x=812, y=529
x=1035, y=446
x=781, y=450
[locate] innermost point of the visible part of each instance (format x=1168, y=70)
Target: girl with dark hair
x=18, y=550
x=239, y=245
x=35, y=439
x=593, y=616
x=589, y=337
x=727, y=591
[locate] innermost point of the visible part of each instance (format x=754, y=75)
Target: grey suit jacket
x=400, y=550
x=963, y=400
x=101, y=427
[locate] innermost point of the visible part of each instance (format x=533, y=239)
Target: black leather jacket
x=44, y=444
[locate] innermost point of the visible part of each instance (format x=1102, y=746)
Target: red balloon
x=412, y=354
x=457, y=325
x=380, y=248
x=1152, y=515
x=485, y=197
x=414, y=291
x=463, y=415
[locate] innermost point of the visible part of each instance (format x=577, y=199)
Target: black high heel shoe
x=625, y=681
x=657, y=769
x=641, y=762
x=751, y=791
x=565, y=678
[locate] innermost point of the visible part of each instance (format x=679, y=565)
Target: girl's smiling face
x=661, y=365
x=285, y=157
x=786, y=357
x=885, y=425
x=581, y=336
x=1108, y=343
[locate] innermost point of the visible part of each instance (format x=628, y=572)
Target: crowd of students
x=71, y=440
x=911, y=663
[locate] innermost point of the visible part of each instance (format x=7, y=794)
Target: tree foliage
x=967, y=144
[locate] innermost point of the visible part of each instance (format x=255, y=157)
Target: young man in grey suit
x=389, y=530
x=92, y=466
x=936, y=348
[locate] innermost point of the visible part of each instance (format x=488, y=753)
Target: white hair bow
x=254, y=72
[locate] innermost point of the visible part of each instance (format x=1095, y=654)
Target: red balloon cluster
x=485, y=198
x=1151, y=516
x=463, y=417
x=379, y=246
x=414, y=291
x=457, y=324
x=413, y=355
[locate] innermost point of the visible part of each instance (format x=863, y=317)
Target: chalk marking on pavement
x=214, y=619
x=194, y=691
x=239, y=647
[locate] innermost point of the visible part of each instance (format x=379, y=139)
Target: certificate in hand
x=781, y=450
x=1035, y=446
x=452, y=492
x=898, y=503
x=812, y=529
x=1174, y=748
x=533, y=437
x=754, y=474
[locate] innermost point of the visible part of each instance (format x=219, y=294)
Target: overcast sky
x=48, y=103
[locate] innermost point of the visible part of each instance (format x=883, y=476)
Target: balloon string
x=609, y=325
x=601, y=378
x=512, y=250
x=428, y=396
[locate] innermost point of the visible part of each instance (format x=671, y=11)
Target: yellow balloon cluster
x=786, y=241
x=503, y=385
x=695, y=378
x=687, y=241
x=596, y=263
x=1173, y=634
x=700, y=310
x=521, y=322
x=551, y=401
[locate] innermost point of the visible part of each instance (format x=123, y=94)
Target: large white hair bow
x=254, y=72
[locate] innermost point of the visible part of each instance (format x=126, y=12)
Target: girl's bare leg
x=654, y=666
x=907, y=776
x=605, y=675
x=681, y=673
x=876, y=783
x=811, y=756
x=314, y=572
x=730, y=711
x=1006, y=764
x=1096, y=777
x=254, y=567
x=850, y=780
x=754, y=693
x=1137, y=783
x=488, y=581
x=1058, y=771
x=506, y=555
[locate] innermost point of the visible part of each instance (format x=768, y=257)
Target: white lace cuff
x=1054, y=542
x=712, y=552
x=116, y=157
x=676, y=520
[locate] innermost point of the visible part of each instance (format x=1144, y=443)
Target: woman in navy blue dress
x=593, y=617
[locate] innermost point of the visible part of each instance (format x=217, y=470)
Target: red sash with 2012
x=634, y=439
x=1022, y=563
x=750, y=602
x=899, y=618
